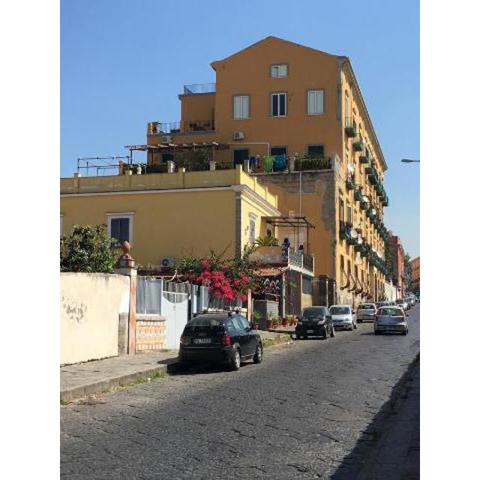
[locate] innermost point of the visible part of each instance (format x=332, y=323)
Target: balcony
x=350, y=183
x=358, y=195
x=275, y=255
x=358, y=144
x=365, y=158
x=199, y=88
x=181, y=127
x=313, y=163
x=350, y=128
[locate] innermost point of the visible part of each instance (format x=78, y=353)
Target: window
x=240, y=155
x=306, y=285
x=167, y=157
x=349, y=213
x=316, y=150
x=120, y=226
x=241, y=107
x=279, y=104
x=251, y=231
x=342, y=263
x=279, y=71
x=278, y=151
x=315, y=102
x=341, y=209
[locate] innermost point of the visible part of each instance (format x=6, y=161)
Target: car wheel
x=236, y=360
x=258, y=357
x=405, y=332
x=332, y=331
x=375, y=332
x=325, y=335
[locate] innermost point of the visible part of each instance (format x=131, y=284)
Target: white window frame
x=275, y=70
x=129, y=215
x=241, y=115
x=278, y=104
x=316, y=91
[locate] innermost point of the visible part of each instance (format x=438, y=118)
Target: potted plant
x=291, y=320
x=284, y=322
x=256, y=320
x=275, y=323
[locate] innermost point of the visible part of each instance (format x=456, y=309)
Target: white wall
x=90, y=307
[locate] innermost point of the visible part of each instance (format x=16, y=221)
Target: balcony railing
x=350, y=128
x=281, y=163
x=278, y=256
x=199, y=88
x=358, y=144
x=184, y=126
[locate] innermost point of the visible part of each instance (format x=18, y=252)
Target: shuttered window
x=120, y=226
x=278, y=71
x=241, y=107
x=315, y=102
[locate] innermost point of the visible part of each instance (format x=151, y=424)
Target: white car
x=366, y=312
x=343, y=317
x=391, y=320
x=402, y=303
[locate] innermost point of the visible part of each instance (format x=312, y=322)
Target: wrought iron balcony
x=199, y=88
x=350, y=182
x=350, y=128
x=365, y=157
x=358, y=144
x=358, y=195
x=276, y=255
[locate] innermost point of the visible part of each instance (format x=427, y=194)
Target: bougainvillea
x=226, y=279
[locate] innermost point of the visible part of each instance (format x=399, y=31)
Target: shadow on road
x=359, y=463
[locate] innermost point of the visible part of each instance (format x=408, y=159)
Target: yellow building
x=296, y=118
x=167, y=216
x=415, y=281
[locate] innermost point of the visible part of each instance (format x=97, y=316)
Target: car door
x=240, y=336
x=248, y=340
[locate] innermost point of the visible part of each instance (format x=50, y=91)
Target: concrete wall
x=91, y=304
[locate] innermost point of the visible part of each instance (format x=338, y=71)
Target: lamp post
x=408, y=160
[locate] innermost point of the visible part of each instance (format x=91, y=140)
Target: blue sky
x=123, y=64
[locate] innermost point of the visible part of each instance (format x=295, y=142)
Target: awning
x=294, y=221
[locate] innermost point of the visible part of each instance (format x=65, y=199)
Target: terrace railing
x=199, y=88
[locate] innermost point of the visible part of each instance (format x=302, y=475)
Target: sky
x=124, y=63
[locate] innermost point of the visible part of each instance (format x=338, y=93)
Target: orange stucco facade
x=325, y=198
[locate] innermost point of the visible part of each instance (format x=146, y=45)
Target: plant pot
x=256, y=326
x=269, y=324
x=285, y=322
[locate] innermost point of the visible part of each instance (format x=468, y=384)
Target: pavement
x=340, y=408
x=90, y=379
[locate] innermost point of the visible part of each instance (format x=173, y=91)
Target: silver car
x=343, y=317
x=391, y=320
x=366, y=312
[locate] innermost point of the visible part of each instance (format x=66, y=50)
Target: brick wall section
x=150, y=332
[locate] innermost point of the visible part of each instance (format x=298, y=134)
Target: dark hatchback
x=315, y=321
x=225, y=338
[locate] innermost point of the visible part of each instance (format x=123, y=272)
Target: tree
x=88, y=249
x=407, y=272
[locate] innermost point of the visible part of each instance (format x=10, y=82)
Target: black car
x=315, y=321
x=225, y=338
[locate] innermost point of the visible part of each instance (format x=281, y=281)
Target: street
x=312, y=409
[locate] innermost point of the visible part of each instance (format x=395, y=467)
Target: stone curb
x=105, y=386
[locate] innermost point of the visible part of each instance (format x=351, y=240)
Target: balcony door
x=240, y=155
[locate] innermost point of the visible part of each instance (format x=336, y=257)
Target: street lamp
x=408, y=160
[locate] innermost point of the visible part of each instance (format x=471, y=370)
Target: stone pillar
x=126, y=266
x=212, y=165
x=170, y=166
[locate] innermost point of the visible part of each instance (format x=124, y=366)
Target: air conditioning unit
x=166, y=139
x=167, y=262
x=238, y=135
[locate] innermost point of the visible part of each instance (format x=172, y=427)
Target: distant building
x=397, y=255
x=415, y=264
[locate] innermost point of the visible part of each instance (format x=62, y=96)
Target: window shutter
x=315, y=102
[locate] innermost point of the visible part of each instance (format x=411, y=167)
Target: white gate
x=175, y=309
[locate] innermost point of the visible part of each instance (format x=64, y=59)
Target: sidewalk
x=100, y=376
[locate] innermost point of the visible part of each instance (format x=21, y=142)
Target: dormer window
x=279, y=71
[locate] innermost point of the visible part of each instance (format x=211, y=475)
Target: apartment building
x=295, y=118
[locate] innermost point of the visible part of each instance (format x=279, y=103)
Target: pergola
x=176, y=147
x=295, y=222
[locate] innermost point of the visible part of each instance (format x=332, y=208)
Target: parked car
x=225, y=338
x=315, y=321
x=381, y=304
x=366, y=312
x=402, y=303
x=343, y=317
x=391, y=320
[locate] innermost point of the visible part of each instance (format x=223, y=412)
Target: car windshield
x=367, y=307
x=390, y=311
x=399, y=302
x=339, y=310
x=314, y=312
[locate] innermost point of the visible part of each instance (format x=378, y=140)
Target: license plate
x=202, y=340
x=309, y=331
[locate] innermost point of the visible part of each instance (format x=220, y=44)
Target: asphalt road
x=312, y=409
